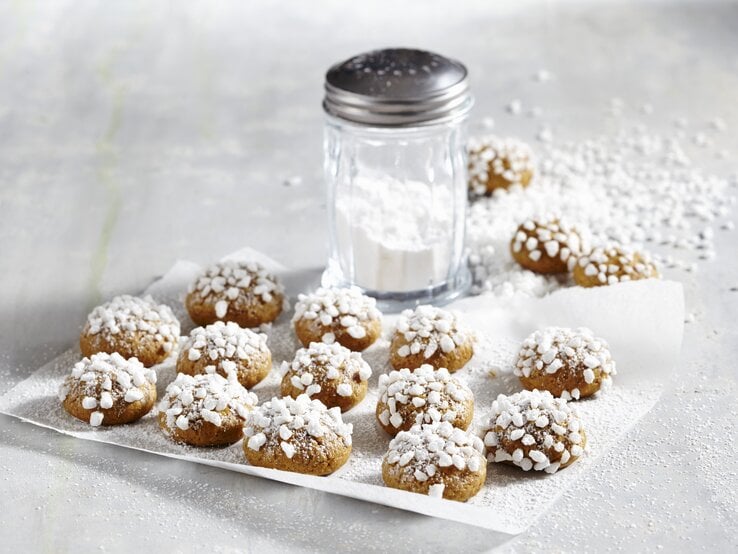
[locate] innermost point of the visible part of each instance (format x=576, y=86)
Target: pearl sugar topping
x=346, y=306
x=433, y=392
x=427, y=329
x=425, y=449
x=190, y=399
x=321, y=362
x=106, y=379
x=129, y=314
x=293, y=423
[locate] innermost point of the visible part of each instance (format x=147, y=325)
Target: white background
x=135, y=133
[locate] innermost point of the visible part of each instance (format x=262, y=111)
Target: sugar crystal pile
x=633, y=188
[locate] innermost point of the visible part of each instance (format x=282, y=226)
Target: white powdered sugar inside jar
x=396, y=236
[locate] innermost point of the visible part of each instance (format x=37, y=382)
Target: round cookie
x=571, y=363
x=430, y=335
x=497, y=164
x=607, y=266
x=297, y=434
x=107, y=389
x=534, y=430
x=205, y=410
x=343, y=315
x=548, y=245
x=133, y=327
x=226, y=349
x=438, y=460
x=426, y=395
x=243, y=292
x=330, y=373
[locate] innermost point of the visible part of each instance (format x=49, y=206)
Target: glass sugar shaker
x=396, y=173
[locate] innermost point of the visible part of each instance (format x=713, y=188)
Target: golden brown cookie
x=430, y=335
x=546, y=245
x=205, y=410
x=436, y=459
x=534, y=430
x=107, y=389
x=497, y=164
x=342, y=315
x=607, y=266
x=133, y=327
x=330, y=373
x=571, y=363
x=297, y=434
x=425, y=395
x=226, y=349
x=242, y=292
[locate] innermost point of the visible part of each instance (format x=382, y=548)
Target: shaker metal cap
x=397, y=87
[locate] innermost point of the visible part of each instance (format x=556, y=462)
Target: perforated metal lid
x=397, y=87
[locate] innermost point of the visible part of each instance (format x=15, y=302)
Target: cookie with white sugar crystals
x=342, y=315
x=534, y=430
x=297, y=434
x=438, y=460
x=571, y=363
x=330, y=373
x=426, y=395
x=546, y=245
x=133, y=327
x=227, y=349
x=497, y=163
x=614, y=264
x=242, y=292
x=108, y=389
x=430, y=335
x=205, y=410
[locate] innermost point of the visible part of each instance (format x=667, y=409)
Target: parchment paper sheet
x=642, y=321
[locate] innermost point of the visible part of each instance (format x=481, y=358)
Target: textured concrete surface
x=136, y=133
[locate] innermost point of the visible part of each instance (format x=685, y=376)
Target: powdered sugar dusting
x=509, y=501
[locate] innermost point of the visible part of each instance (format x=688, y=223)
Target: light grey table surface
x=136, y=133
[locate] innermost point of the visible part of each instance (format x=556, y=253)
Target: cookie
x=430, y=335
x=330, y=373
x=498, y=164
x=345, y=316
x=546, y=245
x=227, y=349
x=297, y=434
x=614, y=264
x=426, y=395
x=436, y=459
x=534, y=430
x=242, y=292
x=107, y=389
x=133, y=327
x=205, y=410
x=571, y=363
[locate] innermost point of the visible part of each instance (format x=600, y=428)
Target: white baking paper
x=643, y=322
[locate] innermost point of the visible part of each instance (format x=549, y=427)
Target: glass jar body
x=397, y=202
